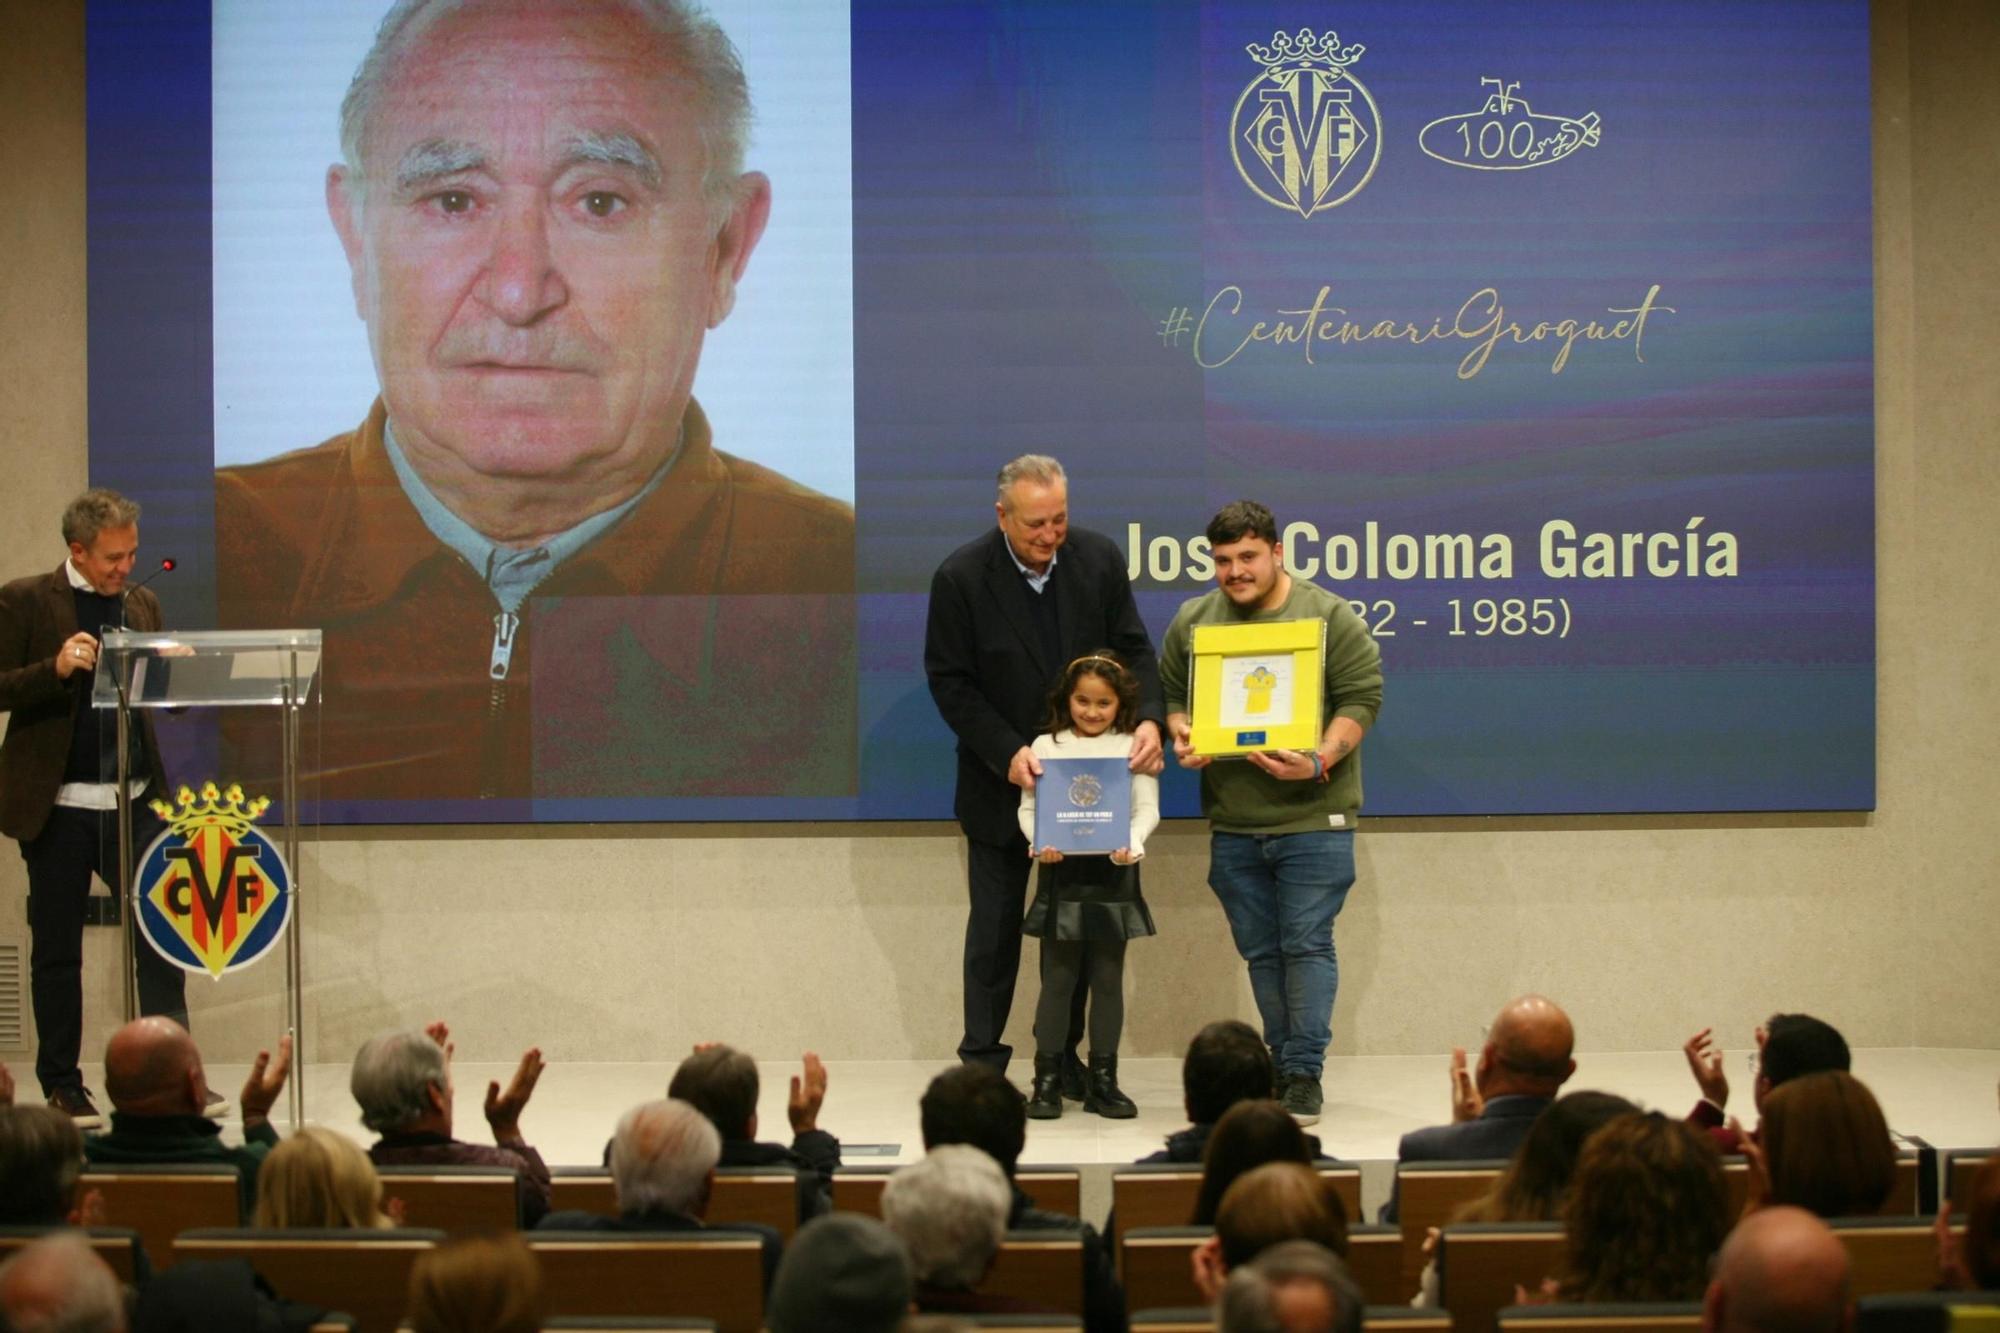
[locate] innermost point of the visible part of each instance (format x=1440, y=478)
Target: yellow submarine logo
x=1305, y=135
x=213, y=892
x=1506, y=134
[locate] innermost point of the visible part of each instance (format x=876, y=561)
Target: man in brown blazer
x=59, y=772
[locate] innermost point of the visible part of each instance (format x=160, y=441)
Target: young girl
x=1086, y=907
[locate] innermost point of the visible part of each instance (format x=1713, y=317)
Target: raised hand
x=1466, y=1103
x=807, y=1096
x=266, y=1082
x=1705, y=1062
x=503, y=1109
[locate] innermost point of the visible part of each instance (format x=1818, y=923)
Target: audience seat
x=618, y=1324
x=1054, y=1189
x=1607, y=1318
x=364, y=1273
x=768, y=1196
x=1199, y=1319
x=1024, y=1323
x=1902, y=1200
x=1960, y=1165
x=1480, y=1264
x=119, y=1247
x=615, y=1323
x=160, y=1202
x=457, y=1200
x=716, y=1275
x=1042, y=1267
x=1889, y=1254
x=1921, y=1311
x=1159, y=1272
x=1162, y=1194
x=1427, y=1194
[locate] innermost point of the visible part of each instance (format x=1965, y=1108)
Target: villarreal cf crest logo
x=1305, y=134
x=213, y=892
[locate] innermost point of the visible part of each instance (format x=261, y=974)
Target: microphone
x=167, y=566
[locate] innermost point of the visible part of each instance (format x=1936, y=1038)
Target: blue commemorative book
x=1083, y=806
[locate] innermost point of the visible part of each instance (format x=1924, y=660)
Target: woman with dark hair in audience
x=1536, y=1181
x=1248, y=1135
x=1269, y=1205
x=476, y=1284
x=1973, y=1264
x=1827, y=1147
x=1646, y=1212
x=320, y=1178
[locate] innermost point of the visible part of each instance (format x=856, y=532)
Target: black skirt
x=1087, y=898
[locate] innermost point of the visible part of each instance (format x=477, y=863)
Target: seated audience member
x=1226, y=1063
x=1268, y=1206
x=1524, y=1063
x=153, y=1075
x=1973, y=1263
x=1536, y=1181
x=1789, y=1046
x=950, y=1211
x=1248, y=1135
x=59, y=1284
x=1646, y=1210
x=975, y=1104
x=1293, y=1287
x=402, y=1083
x=320, y=1178
x=722, y=1084
x=41, y=1170
x=663, y=1160
x=1826, y=1146
x=476, y=1284
x=202, y=1296
x=843, y=1273
x=1780, y=1271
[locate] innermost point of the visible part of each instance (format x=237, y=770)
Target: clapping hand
x=503, y=1109
x=1704, y=1059
x=1466, y=1103
x=807, y=1096
x=266, y=1081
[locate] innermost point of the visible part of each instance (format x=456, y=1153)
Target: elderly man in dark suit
x=1523, y=1065
x=59, y=774
x=1008, y=612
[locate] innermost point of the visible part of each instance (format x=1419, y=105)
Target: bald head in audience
x=151, y=1067
x=1781, y=1269
x=59, y=1283
x=1527, y=1051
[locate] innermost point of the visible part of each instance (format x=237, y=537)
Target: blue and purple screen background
x=1037, y=186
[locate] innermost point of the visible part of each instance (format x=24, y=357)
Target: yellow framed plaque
x=1257, y=685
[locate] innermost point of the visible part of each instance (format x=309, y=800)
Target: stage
x=1943, y=1096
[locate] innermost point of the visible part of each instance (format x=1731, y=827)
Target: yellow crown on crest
x=215, y=808
x=1305, y=51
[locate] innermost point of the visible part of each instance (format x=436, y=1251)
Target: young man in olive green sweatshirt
x=1281, y=842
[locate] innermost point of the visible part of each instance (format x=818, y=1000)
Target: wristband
x=1319, y=766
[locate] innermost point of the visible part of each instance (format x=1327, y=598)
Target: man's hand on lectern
x=503, y=1109
x=266, y=1081
x=808, y=1095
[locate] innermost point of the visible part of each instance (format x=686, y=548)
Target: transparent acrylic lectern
x=276, y=670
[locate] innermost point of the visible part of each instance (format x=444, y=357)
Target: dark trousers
x=61, y=859
x=997, y=877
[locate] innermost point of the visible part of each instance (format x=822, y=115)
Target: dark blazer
x=36, y=615
x=1495, y=1134
x=989, y=671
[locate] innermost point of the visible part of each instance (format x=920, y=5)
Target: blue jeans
x=1281, y=892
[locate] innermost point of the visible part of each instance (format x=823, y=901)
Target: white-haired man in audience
x=1293, y=1287
x=1781, y=1271
x=663, y=1158
x=58, y=1283
x=950, y=1211
x=1523, y=1065
x=402, y=1083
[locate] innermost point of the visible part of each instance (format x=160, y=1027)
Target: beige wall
x=632, y=942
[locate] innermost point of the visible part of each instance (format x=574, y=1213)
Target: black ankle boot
x=1045, y=1102
x=1103, y=1096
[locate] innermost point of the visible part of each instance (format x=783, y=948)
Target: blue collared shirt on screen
x=511, y=573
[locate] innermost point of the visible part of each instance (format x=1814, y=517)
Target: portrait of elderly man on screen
x=537, y=573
